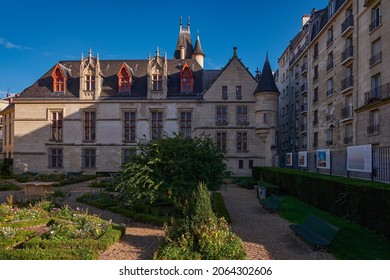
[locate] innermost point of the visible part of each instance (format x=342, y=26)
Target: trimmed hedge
x=364, y=202
x=219, y=207
x=139, y=217
x=53, y=254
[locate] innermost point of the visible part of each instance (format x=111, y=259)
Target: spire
x=198, y=46
x=234, y=51
x=267, y=82
x=184, y=40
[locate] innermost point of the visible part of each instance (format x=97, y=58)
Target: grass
x=353, y=242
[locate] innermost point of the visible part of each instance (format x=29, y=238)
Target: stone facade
x=335, y=88
x=89, y=115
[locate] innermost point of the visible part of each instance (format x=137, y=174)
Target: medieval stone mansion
x=88, y=115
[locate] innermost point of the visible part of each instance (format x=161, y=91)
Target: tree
x=169, y=169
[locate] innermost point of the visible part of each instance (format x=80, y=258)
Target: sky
x=35, y=35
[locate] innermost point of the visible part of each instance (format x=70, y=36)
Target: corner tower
x=266, y=112
x=198, y=53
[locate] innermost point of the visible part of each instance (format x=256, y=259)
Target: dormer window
x=157, y=82
x=89, y=81
x=186, y=80
x=58, y=80
x=124, y=80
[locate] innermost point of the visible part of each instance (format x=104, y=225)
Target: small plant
x=10, y=200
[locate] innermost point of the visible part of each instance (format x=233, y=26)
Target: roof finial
x=90, y=52
x=266, y=58
x=82, y=56
x=157, y=51
x=181, y=20
x=234, y=51
x=188, y=19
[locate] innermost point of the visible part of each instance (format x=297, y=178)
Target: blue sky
x=35, y=35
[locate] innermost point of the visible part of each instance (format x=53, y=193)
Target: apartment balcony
x=348, y=140
x=347, y=56
x=375, y=59
x=304, y=88
x=329, y=117
x=347, y=26
x=304, y=108
x=346, y=84
x=373, y=129
x=304, y=69
x=375, y=23
x=347, y=113
x=377, y=94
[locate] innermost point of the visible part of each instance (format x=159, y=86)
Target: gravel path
x=265, y=236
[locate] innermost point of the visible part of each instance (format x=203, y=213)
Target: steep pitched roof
x=267, y=82
x=198, y=46
x=184, y=40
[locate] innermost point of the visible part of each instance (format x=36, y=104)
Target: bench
x=272, y=203
x=38, y=188
x=315, y=231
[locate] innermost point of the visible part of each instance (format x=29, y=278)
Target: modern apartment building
x=334, y=84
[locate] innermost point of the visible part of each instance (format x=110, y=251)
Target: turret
x=267, y=98
x=184, y=47
x=198, y=53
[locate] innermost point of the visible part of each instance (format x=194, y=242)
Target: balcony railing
x=346, y=54
x=347, y=113
x=304, y=88
x=348, y=140
x=377, y=94
x=315, y=121
x=373, y=129
x=303, y=68
x=304, y=108
x=375, y=23
x=347, y=83
x=376, y=58
x=303, y=127
x=348, y=23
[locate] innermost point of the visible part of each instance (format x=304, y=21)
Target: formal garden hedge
x=363, y=202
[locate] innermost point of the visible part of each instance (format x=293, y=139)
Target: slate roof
x=43, y=88
x=267, y=82
x=198, y=46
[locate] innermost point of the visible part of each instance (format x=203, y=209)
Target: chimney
x=182, y=54
x=305, y=18
x=313, y=11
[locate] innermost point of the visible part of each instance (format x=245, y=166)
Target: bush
x=7, y=186
x=219, y=207
x=168, y=170
x=201, y=236
x=360, y=201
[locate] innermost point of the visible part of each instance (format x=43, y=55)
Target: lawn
x=353, y=242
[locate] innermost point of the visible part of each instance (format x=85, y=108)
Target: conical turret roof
x=198, y=46
x=267, y=82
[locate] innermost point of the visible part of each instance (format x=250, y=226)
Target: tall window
x=376, y=53
x=58, y=81
x=56, y=126
x=238, y=92
x=224, y=92
x=88, y=158
x=157, y=82
x=374, y=127
x=55, y=158
x=186, y=80
x=129, y=123
x=329, y=92
x=375, y=86
x=89, y=81
x=89, y=126
x=315, y=54
x=186, y=123
x=127, y=154
x=315, y=95
x=329, y=112
x=124, y=81
x=330, y=62
x=221, y=115
x=221, y=141
x=242, y=141
x=329, y=137
x=332, y=8
x=157, y=125
x=315, y=139
x=242, y=115
x=376, y=18
x=315, y=117
x=329, y=37
x=315, y=77
x=348, y=134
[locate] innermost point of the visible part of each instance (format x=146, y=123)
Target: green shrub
x=54, y=254
x=8, y=186
x=360, y=201
x=139, y=217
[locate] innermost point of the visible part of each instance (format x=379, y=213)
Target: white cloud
x=9, y=45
